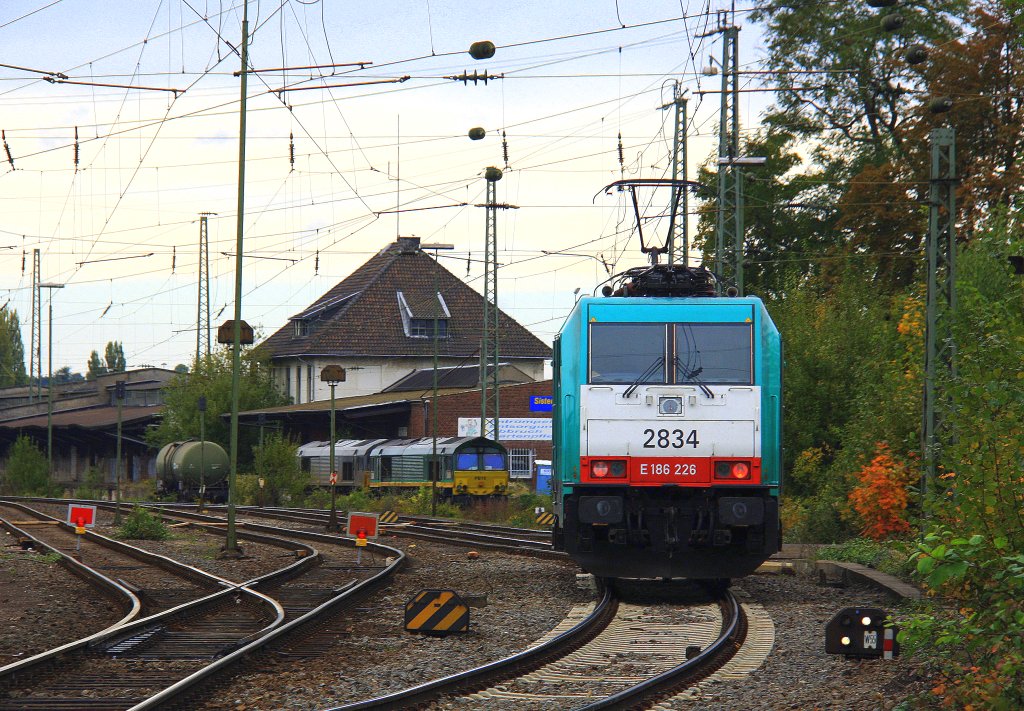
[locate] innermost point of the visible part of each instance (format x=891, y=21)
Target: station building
x=378, y=324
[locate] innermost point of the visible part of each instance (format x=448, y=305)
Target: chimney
x=408, y=245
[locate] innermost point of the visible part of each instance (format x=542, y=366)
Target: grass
x=892, y=557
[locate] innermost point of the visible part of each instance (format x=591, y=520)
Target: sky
x=333, y=173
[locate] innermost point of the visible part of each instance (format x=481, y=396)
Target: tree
x=96, y=367
x=276, y=462
x=788, y=219
x=211, y=378
x=12, y=352
x=842, y=77
x=114, y=356
x=64, y=375
x=27, y=471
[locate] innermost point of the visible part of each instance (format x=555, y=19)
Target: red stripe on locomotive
x=658, y=471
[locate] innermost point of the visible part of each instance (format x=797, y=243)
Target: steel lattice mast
x=203, y=309
x=36, y=348
x=679, y=241
x=729, y=228
x=489, y=348
x=940, y=348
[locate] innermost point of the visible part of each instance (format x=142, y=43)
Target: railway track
x=161, y=659
x=483, y=536
x=157, y=582
x=567, y=669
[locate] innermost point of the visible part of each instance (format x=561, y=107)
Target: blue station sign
x=541, y=403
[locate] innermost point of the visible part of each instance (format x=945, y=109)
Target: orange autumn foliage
x=881, y=496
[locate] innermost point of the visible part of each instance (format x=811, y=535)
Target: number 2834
x=670, y=439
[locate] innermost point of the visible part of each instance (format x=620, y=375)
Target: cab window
x=467, y=461
x=627, y=353
x=713, y=353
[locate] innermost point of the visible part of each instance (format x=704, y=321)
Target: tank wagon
x=667, y=432
x=184, y=467
x=470, y=467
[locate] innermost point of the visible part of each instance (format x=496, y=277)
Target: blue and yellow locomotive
x=667, y=427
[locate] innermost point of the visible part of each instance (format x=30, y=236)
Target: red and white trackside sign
x=81, y=516
x=362, y=525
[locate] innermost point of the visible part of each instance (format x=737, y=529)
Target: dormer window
x=301, y=327
x=424, y=328
x=420, y=313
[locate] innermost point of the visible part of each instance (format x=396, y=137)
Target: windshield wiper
x=644, y=376
x=692, y=376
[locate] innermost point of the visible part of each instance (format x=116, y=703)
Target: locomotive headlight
x=670, y=406
x=732, y=470
x=601, y=469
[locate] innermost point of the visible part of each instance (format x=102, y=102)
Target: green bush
x=275, y=461
x=142, y=525
x=27, y=471
x=93, y=485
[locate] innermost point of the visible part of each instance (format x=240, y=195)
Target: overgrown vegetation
x=210, y=378
x=26, y=472
x=142, y=525
x=835, y=239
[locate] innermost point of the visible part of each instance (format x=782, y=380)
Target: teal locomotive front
x=667, y=450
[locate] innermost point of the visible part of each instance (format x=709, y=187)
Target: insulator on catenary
x=621, y=159
x=76, y=148
x=291, y=150
x=7, y=149
x=316, y=263
x=504, y=148
x=174, y=258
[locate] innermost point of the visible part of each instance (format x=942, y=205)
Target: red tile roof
x=361, y=316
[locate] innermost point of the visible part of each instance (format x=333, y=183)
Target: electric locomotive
x=668, y=416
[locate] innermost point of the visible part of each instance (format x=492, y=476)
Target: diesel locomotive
x=469, y=467
x=667, y=431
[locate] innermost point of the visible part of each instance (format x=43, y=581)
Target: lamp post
x=332, y=375
x=49, y=381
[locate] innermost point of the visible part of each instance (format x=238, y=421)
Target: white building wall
x=365, y=376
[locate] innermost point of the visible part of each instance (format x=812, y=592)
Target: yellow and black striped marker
x=437, y=612
x=545, y=519
x=388, y=517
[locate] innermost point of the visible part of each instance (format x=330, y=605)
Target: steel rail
x=10, y=673
x=734, y=629
x=481, y=676
x=122, y=596
x=176, y=693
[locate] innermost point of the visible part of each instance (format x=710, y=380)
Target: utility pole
x=120, y=392
x=435, y=468
x=940, y=310
x=203, y=311
x=231, y=542
x=36, y=348
x=679, y=242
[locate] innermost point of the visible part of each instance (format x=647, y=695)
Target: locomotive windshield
x=626, y=352
x=702, y=353
x=480, y=460
x=713, y=353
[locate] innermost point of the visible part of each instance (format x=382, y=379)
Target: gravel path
x=798, y=674
x=372, y=654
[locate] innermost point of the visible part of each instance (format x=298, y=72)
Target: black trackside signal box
x=860, y=632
